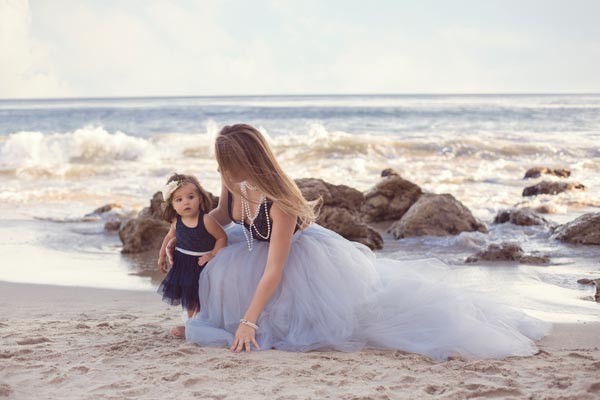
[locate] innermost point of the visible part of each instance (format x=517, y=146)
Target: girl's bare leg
x=179, y=331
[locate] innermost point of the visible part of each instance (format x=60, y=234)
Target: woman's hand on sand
x=162, y=265
x=244, y=339
x=170, y=249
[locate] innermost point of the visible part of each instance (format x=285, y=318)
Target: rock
x=331, y=195
x=113, y=214
x=535, y=259
x=498, y=252
x=155, y=210
x=389, y=172
x=436, y=215
x=346, y=223
x=105, y=208
x=340, y=210
x=520, y=216
x=390, y=199
x=545, y=209
x=112, y=226
x=583, y=230
x=142, y=234
x=595, y=282
x=536, y=172
x=548, y=187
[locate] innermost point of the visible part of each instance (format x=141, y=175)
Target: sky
x=112, y=48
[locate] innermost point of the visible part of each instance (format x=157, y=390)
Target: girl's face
x=186, y=201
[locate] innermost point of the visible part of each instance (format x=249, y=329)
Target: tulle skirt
x=180, y=286
x=336, y=295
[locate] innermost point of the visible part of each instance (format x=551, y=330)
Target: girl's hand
x=203, y=259
x=170, y=249
x=162, y=265
x=244, y=338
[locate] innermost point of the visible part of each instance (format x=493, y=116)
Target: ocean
x=61, y=159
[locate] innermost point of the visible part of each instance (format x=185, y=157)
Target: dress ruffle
x=336, y=295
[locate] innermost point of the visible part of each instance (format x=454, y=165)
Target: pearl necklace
x=246, y=213
x=249, y=186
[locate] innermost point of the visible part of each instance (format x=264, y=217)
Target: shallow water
x=61, y=159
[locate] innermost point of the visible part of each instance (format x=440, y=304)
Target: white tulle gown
x=336, y=295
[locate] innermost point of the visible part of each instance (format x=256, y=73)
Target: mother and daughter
x=287, y=283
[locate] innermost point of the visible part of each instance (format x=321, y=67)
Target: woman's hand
x=244, y=338
x=170, y=249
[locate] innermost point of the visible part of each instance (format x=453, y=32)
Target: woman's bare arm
x=279, y=247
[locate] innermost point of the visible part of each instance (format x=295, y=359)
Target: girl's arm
x=279, y=247
x=162, y=262
x=221, y=213
x=218, y=233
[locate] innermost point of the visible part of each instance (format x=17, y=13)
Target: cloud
x=210, y=47
x=25, y=70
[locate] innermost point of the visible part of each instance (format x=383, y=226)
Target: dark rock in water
x=340, y=210
x=112, y=226
x=390, y=199
x=548, y=187
x=535, y=259
x=508, y=252
x=498, y=252
x=389, y=172
x=142, y=234
x=582, y=230
x=436, y=215
x=105, y=208
x=536, y=172
x=595, y=282
x=520, y=216
x=113, y=214
x=331, y=195
x=155, y=210
x=545, y=209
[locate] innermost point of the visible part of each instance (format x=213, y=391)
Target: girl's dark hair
x=169, y=212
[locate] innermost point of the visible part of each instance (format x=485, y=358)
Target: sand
x=81, y=343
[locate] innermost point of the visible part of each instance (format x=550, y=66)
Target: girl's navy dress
x=180, y=286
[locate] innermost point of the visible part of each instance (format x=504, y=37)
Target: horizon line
x=300, y=95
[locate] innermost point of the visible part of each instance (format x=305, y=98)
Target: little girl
x=199, y=238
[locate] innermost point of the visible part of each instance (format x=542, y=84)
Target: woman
x=293, y=285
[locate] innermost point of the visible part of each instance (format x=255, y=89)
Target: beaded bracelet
x=250, y=324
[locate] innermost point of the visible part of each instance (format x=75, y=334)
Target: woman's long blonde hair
x=242, y=147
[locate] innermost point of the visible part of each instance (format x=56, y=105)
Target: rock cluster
x=507, y=252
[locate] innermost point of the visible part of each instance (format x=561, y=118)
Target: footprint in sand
x=193, y=381
x=173, y=377
x=594, y=387
x=82, y=369
x=37, y=340
x=5, y=390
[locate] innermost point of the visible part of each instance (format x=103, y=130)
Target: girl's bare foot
x=178, y=331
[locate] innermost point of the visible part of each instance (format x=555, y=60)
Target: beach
x=84, y=343
x=81, y=320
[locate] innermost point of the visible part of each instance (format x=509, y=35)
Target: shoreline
x=78, y=342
